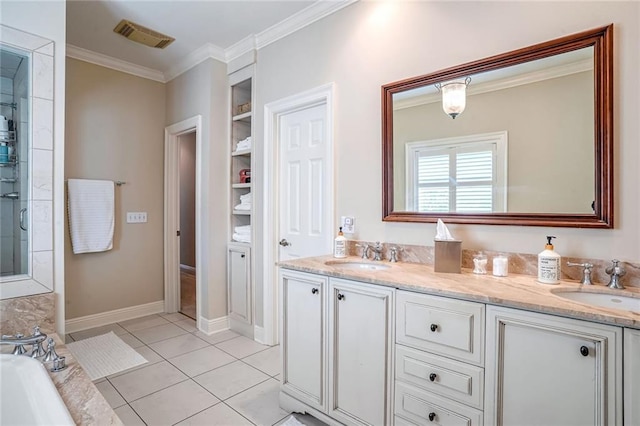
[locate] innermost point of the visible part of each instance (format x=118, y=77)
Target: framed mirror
x=526, y=140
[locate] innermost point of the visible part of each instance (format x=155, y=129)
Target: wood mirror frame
x=601, y=39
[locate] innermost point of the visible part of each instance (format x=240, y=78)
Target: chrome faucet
x=393, y=253
x=377, y=251
x=617, y=272
x=365, y=250
x=20, y=340
x=586, y=272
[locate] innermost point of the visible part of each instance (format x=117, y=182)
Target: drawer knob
x=433, y=377
x=434, y=327
x=340, y=296
x=314, y=291
x=432, y=416
x=584, y=351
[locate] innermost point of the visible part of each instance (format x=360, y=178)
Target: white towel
x=244, y=230
x=242, y=238
x=243, y=206
x=91, y=215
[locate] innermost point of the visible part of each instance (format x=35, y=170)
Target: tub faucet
x=19, y=340
x=617, y=272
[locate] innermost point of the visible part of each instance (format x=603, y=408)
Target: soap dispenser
x=340, y=245
x=549, y=264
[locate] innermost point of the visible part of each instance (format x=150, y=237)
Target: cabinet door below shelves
x=239, y=283
x=545, y=370
x=360, y=351
x=303, y=338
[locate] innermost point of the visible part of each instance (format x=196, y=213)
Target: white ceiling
x=214, y=25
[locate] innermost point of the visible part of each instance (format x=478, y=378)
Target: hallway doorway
x=187, y=149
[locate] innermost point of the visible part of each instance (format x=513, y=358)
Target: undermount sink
x=359, y=266
x=605, y=300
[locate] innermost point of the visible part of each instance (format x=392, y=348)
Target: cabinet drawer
x=422, y=407
x=452, y=379
x=449, y=327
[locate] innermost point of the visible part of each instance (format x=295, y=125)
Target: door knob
x=284, y=243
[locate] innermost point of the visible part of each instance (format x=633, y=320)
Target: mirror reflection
x=523, y=143
x=14, y=117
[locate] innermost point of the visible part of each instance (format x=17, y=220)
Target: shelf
x=240, y=185
x=242, y=212
x=8, y=180
x=240, y=243
x=241, y=153
x=245, y=117
x=9, y=164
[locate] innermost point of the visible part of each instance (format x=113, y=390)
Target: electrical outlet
x=136, y=217
x=348, y=224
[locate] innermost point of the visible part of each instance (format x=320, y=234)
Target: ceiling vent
x=138, y=33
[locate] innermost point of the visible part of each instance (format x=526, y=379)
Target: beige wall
x=115, y=131
x=203, y=90
x=188, y=199
x=550, y=149
x=369, y=44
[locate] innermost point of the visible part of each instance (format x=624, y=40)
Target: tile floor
x=191, y=378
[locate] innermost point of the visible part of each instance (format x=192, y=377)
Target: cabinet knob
x=242, y=256
x=433, y=327
x=314, y=291
x=433, y=377
x=432, y=416
x=340, y=296
x=584, y=351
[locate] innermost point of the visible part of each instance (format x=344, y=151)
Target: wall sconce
x=454, y=96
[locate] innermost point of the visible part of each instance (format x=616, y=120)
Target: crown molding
x=238, y=49
x=305, y=17
x=85, y=55
x=206, y=51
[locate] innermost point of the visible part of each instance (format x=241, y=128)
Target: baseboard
x=215, y=325
x=96, y=320
x=258, y=334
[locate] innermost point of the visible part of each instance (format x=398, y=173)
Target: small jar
x=480, y=264
x=501, y=265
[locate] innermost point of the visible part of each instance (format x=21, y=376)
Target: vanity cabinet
x=439, y=374
x=336, y=349
x=547, y=370
x=304, y=343
x=631, y=377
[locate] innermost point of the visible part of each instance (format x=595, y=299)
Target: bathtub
x=28, y=396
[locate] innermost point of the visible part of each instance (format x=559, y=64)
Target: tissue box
x=448, y=256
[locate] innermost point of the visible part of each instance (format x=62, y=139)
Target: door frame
x=271, y=198
x=172, y=213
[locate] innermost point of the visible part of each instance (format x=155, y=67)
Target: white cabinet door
x=360, y=342
x=547, y=370
x=631, y=377
x=239, y=291
x=303, y=337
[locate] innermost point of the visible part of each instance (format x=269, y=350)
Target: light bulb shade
x=454, y=97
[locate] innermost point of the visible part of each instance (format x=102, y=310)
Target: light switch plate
x=136, y=217
x=348, y=224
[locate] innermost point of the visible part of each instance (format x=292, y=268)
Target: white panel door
x=305, y=184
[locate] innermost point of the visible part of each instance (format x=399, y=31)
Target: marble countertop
x=515, y=290
x=84, y=401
